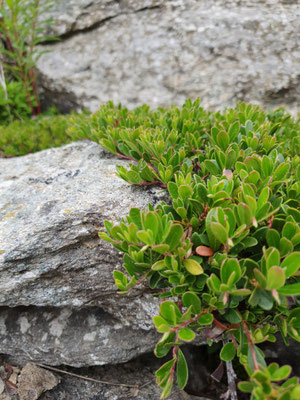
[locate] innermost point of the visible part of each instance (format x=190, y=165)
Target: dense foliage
x=224, y=253
x=31, y=135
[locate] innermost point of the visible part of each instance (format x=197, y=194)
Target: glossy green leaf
x=191, y=299
x=273, y=238
x=275, y=278
x=229, y=266
x=291, y=264
x=174, y=236
x=219, y=232
x=272, y=257
x=222, y=140
x=280, y=172
x=232, y=316
x=173, y=190
x=234, y=131
x=193, y=267
x=281, y=373
x=185, y=192
x=186, y=334
x=245, y=214
x=290, y=290
x=228, y=352
x=285, y=246
x=182, y=370
x=169, y=311
x=206, y=319
x=161, y=324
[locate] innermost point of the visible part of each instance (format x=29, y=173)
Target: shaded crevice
x=73, y=31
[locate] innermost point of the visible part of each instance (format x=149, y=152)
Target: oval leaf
x=228, y=352
x=204, y=251
x=186, y=334
x=193, y=267
x=182, y=370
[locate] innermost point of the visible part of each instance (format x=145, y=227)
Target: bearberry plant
x=224, y=253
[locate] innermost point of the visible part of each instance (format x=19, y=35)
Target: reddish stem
x=251, y=346
x=174, y=354
x=220, y=325
x=176, y=328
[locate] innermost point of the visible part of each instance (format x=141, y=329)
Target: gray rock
x=138, y=372
x=34, y=381
x=56, y=336
x=52, y=206
x=161, y=52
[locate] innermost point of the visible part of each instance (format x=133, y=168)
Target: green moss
x=23, y=137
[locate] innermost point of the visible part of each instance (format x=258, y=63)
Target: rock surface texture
x=55, y=271
x=162, y=51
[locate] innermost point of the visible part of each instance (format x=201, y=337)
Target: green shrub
x=16, y=106
x=23, y=137
x=226, y=252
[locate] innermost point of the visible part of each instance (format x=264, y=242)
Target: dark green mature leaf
x=222, y=140
x=182, y=370
x=135, y=216
x=285, y=246
x=228, y=352
x=206, y=319
x=233, y=316
x=228, y=267
x=191, y=299
x=273, y=238
x=265, y=299
x=259, y=357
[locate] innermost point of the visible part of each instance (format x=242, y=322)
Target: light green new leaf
x=291, y=264
x=290, y=290
x=275, y=278
x=185, y=192
x=219, y=232
x=245, y=214
x=186, y=334
x=193, y=267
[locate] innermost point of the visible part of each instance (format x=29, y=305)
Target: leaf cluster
x=225, y=253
